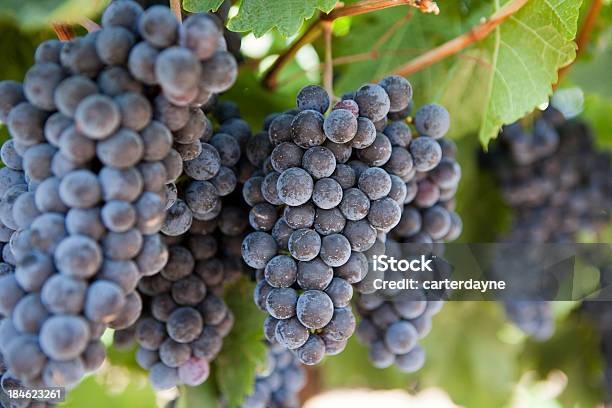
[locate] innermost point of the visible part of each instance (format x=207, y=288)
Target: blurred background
x=476, y=355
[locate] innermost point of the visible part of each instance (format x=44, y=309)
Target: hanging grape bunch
x=100, y=126
x=329, y=187
x=184, y=317
x=393, y=323
x=557, y=184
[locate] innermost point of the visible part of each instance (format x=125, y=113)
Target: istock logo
x=384, y=263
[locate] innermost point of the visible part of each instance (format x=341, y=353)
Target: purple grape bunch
x=102, y=127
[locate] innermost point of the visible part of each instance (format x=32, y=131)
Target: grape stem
x=89, y=24
x=461, y=42
x=270, y=79
x=177, y=9
x=328, y=70
x=583, y=36
x=63, y=31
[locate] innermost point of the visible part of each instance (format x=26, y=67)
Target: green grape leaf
x=201, y=6
x=287, y=16
x=38, y=13
x=494, y=82
x=243, y=349
x=202, y=396
x=525, y=53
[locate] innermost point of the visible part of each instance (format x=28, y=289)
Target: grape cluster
x=185, y=317
x=556, y=184
x=102, y=128
x=279, y=384
x=330, y=187
x=393, y=322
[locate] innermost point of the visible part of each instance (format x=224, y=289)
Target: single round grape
x=174, y=354
x=188, y=291
x=300, y=217
x=194, y=372
x=136, y=113
x=304, y=244
x=11, y=94
x=340, y=292
x=24, y=210
x=342, y=151
x=25, y=359
x=426, y=153
x=400, y=162
x=257, y=249
x=314, y=274
x=340, y=126
x=228, y=148
x=286, y=155
x=40, y=82
x=113, y=45
x=153, y=175
x=281, y=233
x=410, y=222
x=290, y=333
x=174, y=117
x=124, y=273
x=200, y=34
x=116, y=80
x=375, y=183
x=152, y=256
x=94, y=356
x=399, y=91
x=329, y=221
x=262, y=217
x=78, y=256
x=398, y=190
x=74, y=146
x=189, y=151
x=173, y=164
x=25, y=124
x=177, y=70
x=360, y=234
x=129, y=313
x=327, y=193
x=122, y=150
x=80, y=189
x=118, y=216
x=213, y=309
x=432, y=120
x=384, y=214
x=11, y=294
x=428, y=194
x=208, y=345
x=380, y=125
x=184, y=325
x=180, y=263
x=410, y=307
x=97, y=116
x=163, y=377
x=279, y=130
x=318, y=161
x=335, y=250
x=294, y=186
x=436, y=222
x=126, y=184
x=150, y=333
x=122, y=245
x=380, y=356
x=398, y=133
x=146, y=358
x=281, y=271
x=9, y=155
x=48, y=51
x=158, y=26
x=412, y=361
x=104, y=301
x=178, y=219
x=312, y=97
x=33, y=270
x=373, y=102
x=307, y=129
x=401, y=337
x=280, y=302
x=342, y=325
x=47, y=231
x=455, y=229
x=377, y=153
x=348, y=104
x=258, y=149
x=206, y=165
x=29, y=314
x=141, y=62
x=411, y=191
x=355, y=204
x=314, y=309
x=219, y=72
x=124, y=13
x=447, y=174
x=37, y=161
x=344, y=175
x=64, y=337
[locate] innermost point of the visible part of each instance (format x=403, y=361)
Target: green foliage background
x=478, y=358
